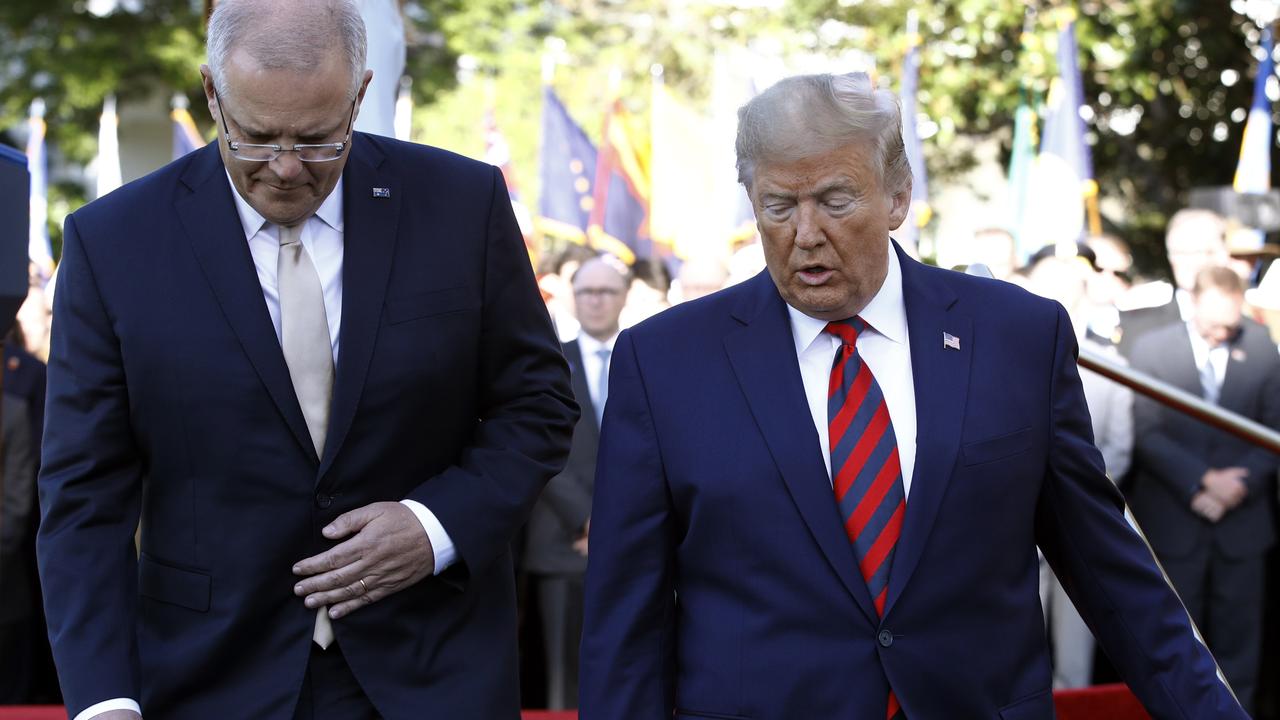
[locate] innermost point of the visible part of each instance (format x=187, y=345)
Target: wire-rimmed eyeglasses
x=307, y=152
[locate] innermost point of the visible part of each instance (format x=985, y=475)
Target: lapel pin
x=382, y=192
x=950, y=342
x=1238, y=355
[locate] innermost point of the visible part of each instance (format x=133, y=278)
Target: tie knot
x=290, y=234
x=604, y=353
x=847, y=330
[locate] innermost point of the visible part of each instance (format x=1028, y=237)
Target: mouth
x=814, y=274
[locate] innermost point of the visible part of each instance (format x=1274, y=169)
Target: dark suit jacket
x=1173, y=450
x=561, y=513
x=17, y=509
x=721, y=583
x=169, y=398
x=1136, y=323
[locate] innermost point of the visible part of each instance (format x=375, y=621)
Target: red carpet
x=1105, y=702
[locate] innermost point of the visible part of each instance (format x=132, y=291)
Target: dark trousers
x=330, y=690
x=560, y=606
x=1224, y=596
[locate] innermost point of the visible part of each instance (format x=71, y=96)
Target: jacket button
x=885, y=638
x=324, y=501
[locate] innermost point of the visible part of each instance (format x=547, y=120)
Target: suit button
x=324, y=501
x=885, y=638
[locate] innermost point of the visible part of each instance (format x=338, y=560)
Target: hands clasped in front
x=387, y=551
x=1224, y=489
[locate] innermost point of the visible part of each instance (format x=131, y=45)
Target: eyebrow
x=260, y=133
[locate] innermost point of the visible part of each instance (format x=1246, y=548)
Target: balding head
x=297, y=35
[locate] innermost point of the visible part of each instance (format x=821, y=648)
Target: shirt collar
x=590, y=346
x=330, y=211
x=886, y=313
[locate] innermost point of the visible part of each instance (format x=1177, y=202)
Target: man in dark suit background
x=556, y=549
x=1194, y=239
x=331, y=409
x=1204, y=497
x=820, y=492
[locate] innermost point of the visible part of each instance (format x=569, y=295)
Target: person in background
x=1111, y=414
x=994, y=247
x=555, y=280
x=699, y=277
x=1108, y=284
x=1194, y=239
x=329, y=415
x=649, y=293
x=556, y=548
x=1205, y=498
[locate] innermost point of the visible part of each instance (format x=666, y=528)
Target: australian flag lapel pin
x=382, y=192
x=950, y=342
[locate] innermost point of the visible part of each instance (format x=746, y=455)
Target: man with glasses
x=330, y=410
x=556, y=552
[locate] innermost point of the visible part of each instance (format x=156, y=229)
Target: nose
x=287, y=167
x=809, y=232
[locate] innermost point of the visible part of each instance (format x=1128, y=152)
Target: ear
x=899, y=203
x=206, y=79
x=364, y=87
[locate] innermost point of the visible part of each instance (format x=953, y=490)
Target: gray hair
x=280, y=39
x=807, y=115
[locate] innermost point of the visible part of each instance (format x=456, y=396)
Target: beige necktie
x=304, y=335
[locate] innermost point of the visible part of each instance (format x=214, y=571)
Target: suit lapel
x=209, y=216
x=763, y=357
x=581, y=391
x=369, y=241
x=941, y=378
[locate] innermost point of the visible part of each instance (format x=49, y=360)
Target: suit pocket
x=1036, y=707
x=426, y=304
x=702, y=714
x=171, y=585
x=984, y=451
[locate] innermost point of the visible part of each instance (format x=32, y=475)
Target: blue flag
x=568, y=171
x=1066, y=164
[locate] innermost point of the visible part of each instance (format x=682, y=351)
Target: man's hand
x=388, y=553
x=1226, y=485
x=1208, y=507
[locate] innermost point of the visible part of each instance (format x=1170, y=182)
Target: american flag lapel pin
x=950, y=342
x=382, y=192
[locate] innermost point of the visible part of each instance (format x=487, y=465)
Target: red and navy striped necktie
x=865, y=470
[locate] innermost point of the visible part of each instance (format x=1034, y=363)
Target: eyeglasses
x=602, y=293
x=310, y=152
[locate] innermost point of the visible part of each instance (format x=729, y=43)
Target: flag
x=1253, y=172
x=107, y=163
x=1021, y=160
x=568, y=167
x=1063, y=187
x=39, y=249
x=920, y=211
x=186, y=137
x=619, y=219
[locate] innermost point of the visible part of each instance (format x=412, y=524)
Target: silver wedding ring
x=364, y=587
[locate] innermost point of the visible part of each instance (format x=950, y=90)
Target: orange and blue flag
x=619, y=220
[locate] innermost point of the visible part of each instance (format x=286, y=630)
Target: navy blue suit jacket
x=169, y=399
x=721, y=584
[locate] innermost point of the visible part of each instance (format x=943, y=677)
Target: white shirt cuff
x=441, y=543
x=114, y=704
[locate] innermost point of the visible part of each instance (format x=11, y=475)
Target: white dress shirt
x=322, y=237
x=1217, y=356
x=884, y=347
x=591, y=348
